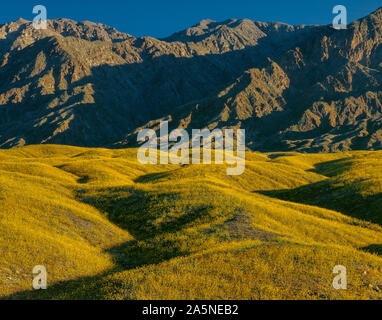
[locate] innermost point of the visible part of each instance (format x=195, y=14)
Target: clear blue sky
x=160, y=18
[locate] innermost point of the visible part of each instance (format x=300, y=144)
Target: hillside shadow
x=334, y=194
x=333, y=168
x=152, y=177
x=83, y=180
x=338, y=197
x=374, y=249
x=136, y=211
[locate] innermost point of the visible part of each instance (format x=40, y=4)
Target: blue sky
x=161, y=18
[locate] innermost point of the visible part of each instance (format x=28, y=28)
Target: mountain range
x=293, y=88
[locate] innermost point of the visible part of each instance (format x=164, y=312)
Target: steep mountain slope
x=322, y=95
x=306, y=88
x=108, y=227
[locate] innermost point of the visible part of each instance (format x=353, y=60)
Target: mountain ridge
x=311, y=88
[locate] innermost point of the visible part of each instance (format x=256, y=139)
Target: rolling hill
x=107, y=227
x=74, y=198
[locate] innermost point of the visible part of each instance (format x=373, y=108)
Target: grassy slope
x=107, y=227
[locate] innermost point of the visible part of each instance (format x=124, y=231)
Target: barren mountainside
x=304, y=88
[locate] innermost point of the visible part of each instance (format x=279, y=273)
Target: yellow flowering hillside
x=107, y=227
